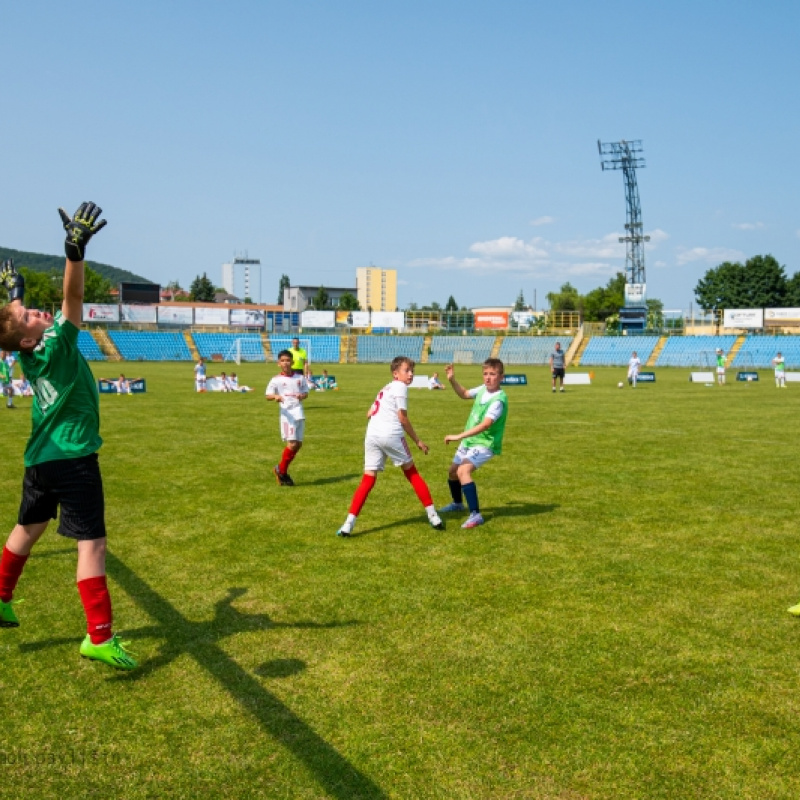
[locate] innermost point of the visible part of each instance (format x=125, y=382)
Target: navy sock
x=455, y=491
x=471, y=493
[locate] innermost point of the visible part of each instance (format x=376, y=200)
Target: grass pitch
x=617, y=629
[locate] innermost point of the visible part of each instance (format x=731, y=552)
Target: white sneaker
x=436, y=521
x=345, y=530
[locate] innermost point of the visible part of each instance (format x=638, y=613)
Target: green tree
x=320, y=300
x=793, y=291
x=43, y=290
x=605, y=301
x=451, y=304
x=567, y=299
x=96, y=288
x=349, y=302
x=520, y=305
x=283, y=285
x=758, y=283
x=202, y=290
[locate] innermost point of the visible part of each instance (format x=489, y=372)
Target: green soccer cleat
x=112, y=652
x=794, y=610
x=8, y=619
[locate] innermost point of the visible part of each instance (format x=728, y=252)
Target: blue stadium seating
x=89, y=348
x=382, y=349
x=224, y=344
x=321, y=348
x=693, y=351
x=151, y=345
x=758, y=351
x=616, y=350
x=444, y=348
x=533, y=350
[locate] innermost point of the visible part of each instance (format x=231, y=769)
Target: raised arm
x=457, y=387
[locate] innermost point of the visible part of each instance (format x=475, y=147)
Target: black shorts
x=75, y=485
x=558, y=372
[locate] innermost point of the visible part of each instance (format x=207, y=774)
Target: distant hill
x=42, y=263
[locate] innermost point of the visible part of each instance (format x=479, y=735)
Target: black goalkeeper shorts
x=75, y=485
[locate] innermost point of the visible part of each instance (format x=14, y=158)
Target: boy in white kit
x=289, y=389
x=386, y=438
x=633, y=369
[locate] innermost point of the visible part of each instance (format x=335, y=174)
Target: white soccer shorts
x=292, y=430
x=477, y=455
x=376, y=451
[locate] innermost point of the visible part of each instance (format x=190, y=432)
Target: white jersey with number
x=383, y=420
x=288, y=386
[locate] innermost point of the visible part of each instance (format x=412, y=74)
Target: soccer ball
x=620, y=385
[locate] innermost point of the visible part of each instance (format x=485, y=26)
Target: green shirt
x=66, y=406
x=5, y=372
x=720, y=360
x=492, y=437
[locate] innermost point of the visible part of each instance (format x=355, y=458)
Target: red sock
x=10, y=569
x=420, y=487
x=286, y=458
x=97, y=606
x=360, y=497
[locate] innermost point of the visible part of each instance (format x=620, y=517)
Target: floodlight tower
x=626, y=156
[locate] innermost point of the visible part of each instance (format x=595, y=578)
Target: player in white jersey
x=780, y=371
x=633, y=369
x=289, y=389
x=200, y=376
x=386, y=438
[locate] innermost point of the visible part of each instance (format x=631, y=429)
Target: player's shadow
x=408, y=522
x=515, y=508
x=332, y=479
x=200, y=640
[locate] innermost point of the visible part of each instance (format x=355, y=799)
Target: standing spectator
x=299, y=357
x=200, y=375
x=780, y=371
x=6, y=387
x=633, y=369
x=61, y=464
x=720, y=366
x=558, y=366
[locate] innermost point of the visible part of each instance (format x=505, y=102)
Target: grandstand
x=460, y=349
x=615, y=351
x=382, y=349
x=693, y=351
x=151, y=345
x=758, y=351
x=89, y=348
x=321, y=348
x=533, y=350
x=249, y=346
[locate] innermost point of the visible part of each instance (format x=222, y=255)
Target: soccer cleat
x=282, y=477
x=8, y=619
x=451, y=507
x=436, y=522
x=346, y=530
x=112, y=652
x=562, y=388
x=473, y=520
x=794, y=610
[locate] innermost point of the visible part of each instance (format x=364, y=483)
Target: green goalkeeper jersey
x=5, y=372
x=66, y=406
x=492, y=437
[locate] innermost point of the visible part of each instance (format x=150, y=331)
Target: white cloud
x=710, y=255
x=748, y=226
x=542, y=221
x=509, y=247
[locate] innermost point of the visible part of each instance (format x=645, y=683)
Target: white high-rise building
x=242, y=278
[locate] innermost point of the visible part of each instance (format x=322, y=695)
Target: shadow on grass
x=337, y=777
x=515, y=508
x=332, y=479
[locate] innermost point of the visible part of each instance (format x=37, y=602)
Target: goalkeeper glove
x=80, y=229
x=13, y=281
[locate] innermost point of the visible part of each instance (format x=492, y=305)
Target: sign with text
x=97, y=312
x=318, y=319
x=743, y=318
x=646, y=377
x=248, y=318
x=781, y=316
x=211, y=316
x=175, y=315
x=143, y=314
x=514, y=380
x=491, y=319
x=388, y=319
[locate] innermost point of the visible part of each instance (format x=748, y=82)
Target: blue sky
x=453, y=141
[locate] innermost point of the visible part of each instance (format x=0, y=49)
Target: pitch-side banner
x=318, y=319
x=782, y=316
x=496, y=320
x=388, y=319
x=248, y=317
x=175, y=315
x=211, y=316
x=138, y=314
x=743, y=318
x=95, y=312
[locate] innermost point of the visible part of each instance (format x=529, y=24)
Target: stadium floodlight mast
x=626, y=156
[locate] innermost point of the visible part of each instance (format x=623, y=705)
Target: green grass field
x=617, y=629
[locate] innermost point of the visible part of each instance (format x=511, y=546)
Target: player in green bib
x=720, y=366
x=6, y=387
x=481, y=439
x=61, y=464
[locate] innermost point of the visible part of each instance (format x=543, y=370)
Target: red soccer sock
x=362, y=493
x=420, y=487
x=11, y=566
x=97, y=606
x=286, y=458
